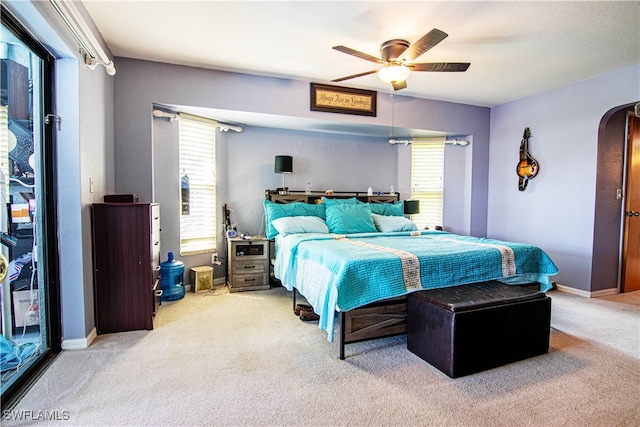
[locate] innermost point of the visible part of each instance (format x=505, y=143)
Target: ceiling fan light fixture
x=394, y=73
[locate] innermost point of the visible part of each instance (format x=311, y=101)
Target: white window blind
x=427, y=181
x=198, y=162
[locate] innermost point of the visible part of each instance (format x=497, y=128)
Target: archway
x=608, y=207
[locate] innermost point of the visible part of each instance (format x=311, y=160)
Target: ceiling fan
x=396, y=56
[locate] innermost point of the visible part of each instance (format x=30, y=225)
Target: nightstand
x=247, y=264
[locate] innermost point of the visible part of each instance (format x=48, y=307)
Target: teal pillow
x=350, y=218
x=388, y=209
x=330, y=202
x=278, y=210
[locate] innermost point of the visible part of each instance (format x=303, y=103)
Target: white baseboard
x=586, y=294
x=80, y=343
x=604, y=292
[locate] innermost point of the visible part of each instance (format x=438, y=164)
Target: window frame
x=198, y=229
x=428, y=154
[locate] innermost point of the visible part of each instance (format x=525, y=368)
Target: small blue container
x=172, y=279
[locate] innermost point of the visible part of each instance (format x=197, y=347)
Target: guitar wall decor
x=527, y=166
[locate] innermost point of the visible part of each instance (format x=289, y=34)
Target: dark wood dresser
x=126, y=263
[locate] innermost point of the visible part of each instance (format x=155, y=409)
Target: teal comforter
x=346, y=272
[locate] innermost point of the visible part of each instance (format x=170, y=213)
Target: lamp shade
x=284, y=164
x=411, y=207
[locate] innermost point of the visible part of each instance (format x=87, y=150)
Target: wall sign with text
x=345, y=100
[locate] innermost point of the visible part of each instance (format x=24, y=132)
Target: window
x=197, y=168
x=427, y=176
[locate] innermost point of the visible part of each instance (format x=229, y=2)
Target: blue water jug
x=172, y=279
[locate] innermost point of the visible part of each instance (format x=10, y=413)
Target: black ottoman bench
x=466, y=329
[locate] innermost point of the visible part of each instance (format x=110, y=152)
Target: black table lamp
x=283, y=165
x=411, y=207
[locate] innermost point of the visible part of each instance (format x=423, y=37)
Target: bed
x=359, y=256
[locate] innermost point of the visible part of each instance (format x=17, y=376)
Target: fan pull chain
x=393, y=114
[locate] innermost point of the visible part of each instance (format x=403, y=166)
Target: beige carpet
x=244, y=359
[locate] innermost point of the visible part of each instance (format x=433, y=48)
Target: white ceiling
x=515, y=48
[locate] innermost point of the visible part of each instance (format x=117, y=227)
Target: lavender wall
x=556, y=212
x=146, y=148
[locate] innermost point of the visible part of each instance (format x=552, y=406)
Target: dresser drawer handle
x=249, y=280
x=249, y=266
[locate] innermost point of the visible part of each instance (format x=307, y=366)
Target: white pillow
x=389, y=224
x=299, y=224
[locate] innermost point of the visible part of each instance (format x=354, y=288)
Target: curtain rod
x=224, y=127
x=394, y=141
x=93, y=52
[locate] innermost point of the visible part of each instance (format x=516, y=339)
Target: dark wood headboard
x=315, y=197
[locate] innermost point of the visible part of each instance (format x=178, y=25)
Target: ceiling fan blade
x=440, y=66
x=399, y=85
x=353, y=76
x=358, y=54
x=423, y=44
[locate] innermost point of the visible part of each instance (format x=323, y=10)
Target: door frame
x=631, y=127
x=50, y=224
